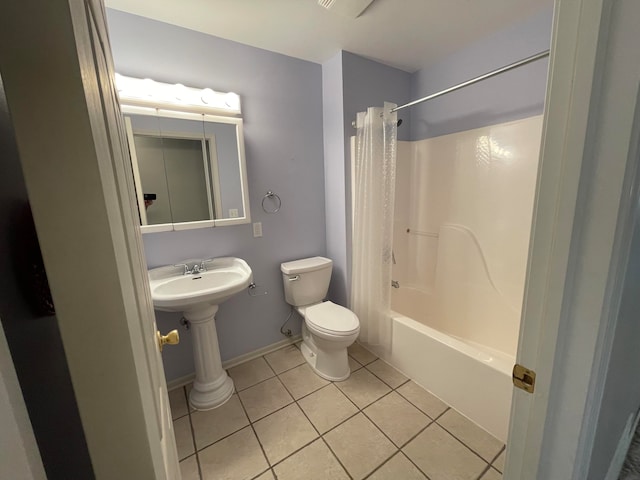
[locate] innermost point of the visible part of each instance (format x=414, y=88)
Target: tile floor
x=286, y=422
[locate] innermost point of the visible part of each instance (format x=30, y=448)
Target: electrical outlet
x=257, y=229
x=233, y=212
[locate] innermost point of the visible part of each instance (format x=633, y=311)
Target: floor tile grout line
x=251, y=422
x=222, y=438
x=403, y=383
x=295, y=366
x=486, y=469
x=273, y=465
x=504, y=448
x=374, y=424
x=359, y=410
x=306, y=394
x=397, y=449
x=261, y=473
x=431, y=422
x=336, y=457
x=321, y=436
x=462, y=442
x=252, y=385
x=381, y=379
x=349, y=398
x=254, y=432
x=315, y=391
x=381, y=465
x=193, y=434
x=414, y=463
x=428, y=415
x=413, y=438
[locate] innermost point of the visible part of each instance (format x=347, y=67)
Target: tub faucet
x=395, y=284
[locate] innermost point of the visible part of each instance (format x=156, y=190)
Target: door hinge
x=523, y=378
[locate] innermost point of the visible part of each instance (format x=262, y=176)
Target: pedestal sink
x=198, y=295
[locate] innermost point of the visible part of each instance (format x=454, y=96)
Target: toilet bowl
x=328, y=329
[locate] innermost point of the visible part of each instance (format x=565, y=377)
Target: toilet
x=328, y=329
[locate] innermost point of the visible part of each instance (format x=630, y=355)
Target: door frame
x=579, y=216
x=86, y=220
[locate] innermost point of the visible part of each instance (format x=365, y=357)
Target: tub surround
x=462, y=223
x=361, y=83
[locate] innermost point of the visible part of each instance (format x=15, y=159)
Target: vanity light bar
x=149, y=93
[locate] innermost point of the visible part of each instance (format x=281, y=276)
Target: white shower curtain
x=373, y=197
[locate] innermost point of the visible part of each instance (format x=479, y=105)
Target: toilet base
x=331, y=362
x=312, y=359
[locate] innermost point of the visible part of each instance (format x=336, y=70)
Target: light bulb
x=208, y=96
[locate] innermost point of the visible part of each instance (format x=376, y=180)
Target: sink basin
x=173, y=291
x=197, y=296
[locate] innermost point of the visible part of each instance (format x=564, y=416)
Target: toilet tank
x=306, y=281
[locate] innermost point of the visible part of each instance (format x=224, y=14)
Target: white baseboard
x=232, y=362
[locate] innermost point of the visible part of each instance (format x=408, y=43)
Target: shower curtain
x=373, y=197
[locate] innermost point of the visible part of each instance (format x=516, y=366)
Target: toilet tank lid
x=305, y=265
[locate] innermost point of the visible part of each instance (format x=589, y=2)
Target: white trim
x=215, y=174
x=136, y=170
x=232, y=362
x=242, y=166
x=244, y=185
x=160, y=227
x=582, y=176
x=567, y=105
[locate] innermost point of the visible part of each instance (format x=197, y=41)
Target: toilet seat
x=331, y=319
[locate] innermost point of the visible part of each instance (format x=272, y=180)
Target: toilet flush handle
x=294, y=278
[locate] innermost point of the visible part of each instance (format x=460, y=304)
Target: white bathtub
x=471, y=378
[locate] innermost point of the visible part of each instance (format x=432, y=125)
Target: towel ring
x=272, y=195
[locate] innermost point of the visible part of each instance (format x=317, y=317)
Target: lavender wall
x=282, y=112
x=334, y=174
x=368, y=84
x=509, y=96
x=351, y=84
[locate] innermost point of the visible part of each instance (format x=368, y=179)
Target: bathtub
x=470, y=377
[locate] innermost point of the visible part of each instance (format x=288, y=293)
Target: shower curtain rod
x=493, y=73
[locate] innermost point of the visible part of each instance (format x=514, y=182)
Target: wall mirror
x=189, y=167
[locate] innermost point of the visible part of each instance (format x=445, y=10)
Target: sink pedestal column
x=212, y=386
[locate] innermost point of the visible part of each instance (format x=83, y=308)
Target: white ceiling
x=407, y=34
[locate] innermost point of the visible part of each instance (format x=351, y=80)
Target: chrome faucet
x=196, y=268
x=186, y=271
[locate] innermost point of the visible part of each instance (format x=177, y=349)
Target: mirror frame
x=167, y=113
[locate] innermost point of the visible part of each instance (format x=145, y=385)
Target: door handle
x=171, y=338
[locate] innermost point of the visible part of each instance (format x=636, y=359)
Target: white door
x=583, y=219
x=70, y=136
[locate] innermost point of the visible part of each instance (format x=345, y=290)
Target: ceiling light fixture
x=347, y=8
x=149, y=93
